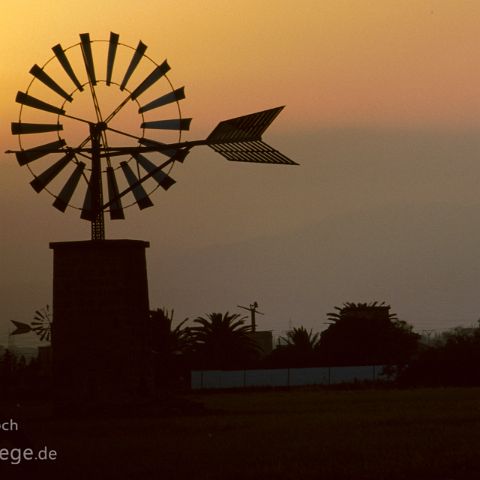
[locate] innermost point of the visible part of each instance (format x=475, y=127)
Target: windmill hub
x=100, y=127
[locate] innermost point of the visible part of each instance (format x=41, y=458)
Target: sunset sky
x=382, y=112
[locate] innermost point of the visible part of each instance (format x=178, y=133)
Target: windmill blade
x=179, y=155
x=62, y=58
x=63, y=198
x=31, y=154
x=137, y=56
x=28, y=128
x=256, y=151
x=112, y=50
x=247, y=127
x=38, y=73
x=139, y=192
x=164, y=180
x=38, y=323
x=42, y=180
x=21, y=328
x=39, y=315
x=175, y=96
x=161, y=146
x=33, y=102
x=88, y=212
x=88, y=57
x=157, y=73
x=116, y=210
x=172, y=124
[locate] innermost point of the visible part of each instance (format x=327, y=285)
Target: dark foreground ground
x=296, y=434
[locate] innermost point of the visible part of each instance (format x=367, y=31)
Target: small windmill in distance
x=253, y=310
x=41, y=325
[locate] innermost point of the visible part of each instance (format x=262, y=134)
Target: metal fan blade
x=139, y=192
x=42, y=180
x=164, y=180
x=157, y=73
x=245, y=128
x=176, y=155
x=27, y=156
x=173, y=124
x=33, y=102
x=62, y=58
x=116, y=210
x=37, y=72
x=171, y=97
x=28, y=128
x=87, y=210
x=160, y=145
x=63, y=198
x=137, y=56
x=254, y=151
x=88, y=57
x=112, y=50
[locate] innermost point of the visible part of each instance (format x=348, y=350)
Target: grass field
x=291, y=434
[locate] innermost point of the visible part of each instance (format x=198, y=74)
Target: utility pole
x=253, y=310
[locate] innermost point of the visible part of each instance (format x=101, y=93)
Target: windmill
x=100, y=145
x=100, y=128
x=41, y=325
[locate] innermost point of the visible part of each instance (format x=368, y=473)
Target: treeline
x=20, y=377
x=357, y=334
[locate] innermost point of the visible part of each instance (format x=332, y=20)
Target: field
x=289, y=434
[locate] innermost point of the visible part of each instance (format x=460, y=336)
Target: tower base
x=100, y=334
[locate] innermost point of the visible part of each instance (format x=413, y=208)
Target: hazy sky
x=382, y=111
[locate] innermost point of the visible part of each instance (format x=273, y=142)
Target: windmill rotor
x=41, y=325
x=100, y=129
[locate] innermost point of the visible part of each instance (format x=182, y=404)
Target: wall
x=286, y=377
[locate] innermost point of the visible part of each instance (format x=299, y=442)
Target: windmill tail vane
x=240, y=139
x=92, y=163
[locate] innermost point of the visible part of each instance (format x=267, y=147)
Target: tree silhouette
x=170, y=346
x=366, y=333
x=452, y=359
x=166, y=338
x=222, y=341
x=301, y=339
x=299, y=349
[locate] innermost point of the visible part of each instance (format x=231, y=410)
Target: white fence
x=285, y=377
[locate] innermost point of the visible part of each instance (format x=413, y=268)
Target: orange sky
x=358, y=77
x=332, y=62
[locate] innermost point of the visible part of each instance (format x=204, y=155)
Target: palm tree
x=356, y=309
x=223, y=341
x=299, y=338
x=174, y=341
x=297, y=349
x=365, y=334
x=170, y=346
